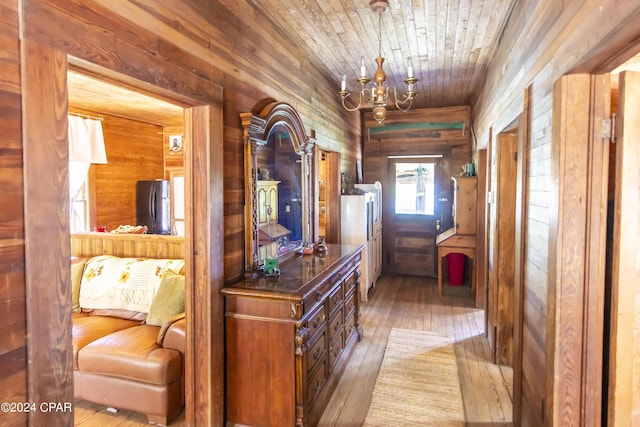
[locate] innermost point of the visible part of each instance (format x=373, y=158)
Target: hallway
x=412, y=303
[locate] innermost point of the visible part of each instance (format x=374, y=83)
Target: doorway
x=621, y=308
x=415, y=184
x=44, y=106
x=328, y=191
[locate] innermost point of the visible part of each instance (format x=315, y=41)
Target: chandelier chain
x=379, y=35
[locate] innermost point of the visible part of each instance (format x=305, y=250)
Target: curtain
x=86, y=146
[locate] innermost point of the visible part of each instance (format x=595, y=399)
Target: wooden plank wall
x=134, y=152
x=13, y=344
x=214, y=41
x=84, y=245
x=196, y=43
x=552, y=38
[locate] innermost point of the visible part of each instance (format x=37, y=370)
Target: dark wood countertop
x=296, y=275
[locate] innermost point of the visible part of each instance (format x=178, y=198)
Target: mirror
x=277, y=183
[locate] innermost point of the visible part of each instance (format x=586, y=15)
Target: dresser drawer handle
x=316, y=355
x=318, y=295
x=318, y=384
x=317, y=322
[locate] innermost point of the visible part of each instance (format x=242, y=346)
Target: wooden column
x=46, y=223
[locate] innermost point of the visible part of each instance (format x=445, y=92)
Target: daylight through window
x=415, y=188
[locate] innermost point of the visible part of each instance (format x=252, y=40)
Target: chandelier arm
x=351, y=109
x=407, y=98
x=404, y=110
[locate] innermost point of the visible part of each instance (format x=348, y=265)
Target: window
x=415, y=188
x=79, y=214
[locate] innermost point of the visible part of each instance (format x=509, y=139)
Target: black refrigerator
x=153, y=206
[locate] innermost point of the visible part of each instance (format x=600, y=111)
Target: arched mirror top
x=277, y=183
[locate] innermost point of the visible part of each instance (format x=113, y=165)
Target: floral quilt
x=110, y=282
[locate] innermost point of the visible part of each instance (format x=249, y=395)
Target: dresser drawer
x=314, y=383
x=335, y=299
x=350, y=283
x=335, y=327
x=350, y=304
x=335, y=349
x=349, y=325
x=319, y=293
x=316, y=320
x=316, y=353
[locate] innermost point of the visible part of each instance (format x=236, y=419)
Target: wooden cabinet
x=267, y=202
x=289, y=338
x=465, y=195
x=461, y=238
x=269, y=230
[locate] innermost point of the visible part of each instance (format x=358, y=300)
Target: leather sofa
x=121, y=359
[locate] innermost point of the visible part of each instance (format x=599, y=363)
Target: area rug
x=418, y=383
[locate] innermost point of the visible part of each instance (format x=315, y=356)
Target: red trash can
x=455, y=268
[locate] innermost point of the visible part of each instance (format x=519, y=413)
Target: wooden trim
x=487, y=228
x=595, y=251
x=504, y=245
x=46, y=227
x=624, y=275
x=205, y=388
x=522, y=201
x=481, y=248
x=576, y=254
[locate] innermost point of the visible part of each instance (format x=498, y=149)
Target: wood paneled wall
x=84, y=245
x=455, y=145
x=135, y=152
x=195, y=43
x=13, y=343
x=541, y=42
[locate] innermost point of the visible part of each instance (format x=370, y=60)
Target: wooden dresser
x=289, y=338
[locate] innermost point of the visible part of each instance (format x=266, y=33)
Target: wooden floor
x=395, y=302
x=412, y=303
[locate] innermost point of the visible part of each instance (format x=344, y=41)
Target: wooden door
x=412, y=212
x=501, y=272
x=623, y=386
x=328, y=185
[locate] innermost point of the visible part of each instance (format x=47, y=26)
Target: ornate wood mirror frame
x=259, y=125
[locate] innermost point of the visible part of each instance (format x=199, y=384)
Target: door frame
x=623, y=282
x=577, y=235
x=389, y=196
x=502, y=305
x=332, y=194
x=44, y=108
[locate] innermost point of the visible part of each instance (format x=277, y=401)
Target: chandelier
x=378, y=95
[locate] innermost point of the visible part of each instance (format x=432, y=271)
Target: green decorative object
x=271, y=267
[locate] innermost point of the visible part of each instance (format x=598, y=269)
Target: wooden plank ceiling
x=450, y=42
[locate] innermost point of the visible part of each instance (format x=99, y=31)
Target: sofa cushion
x=168, y=301
x=132, y=354
x=87, y=329
x=77, y=268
